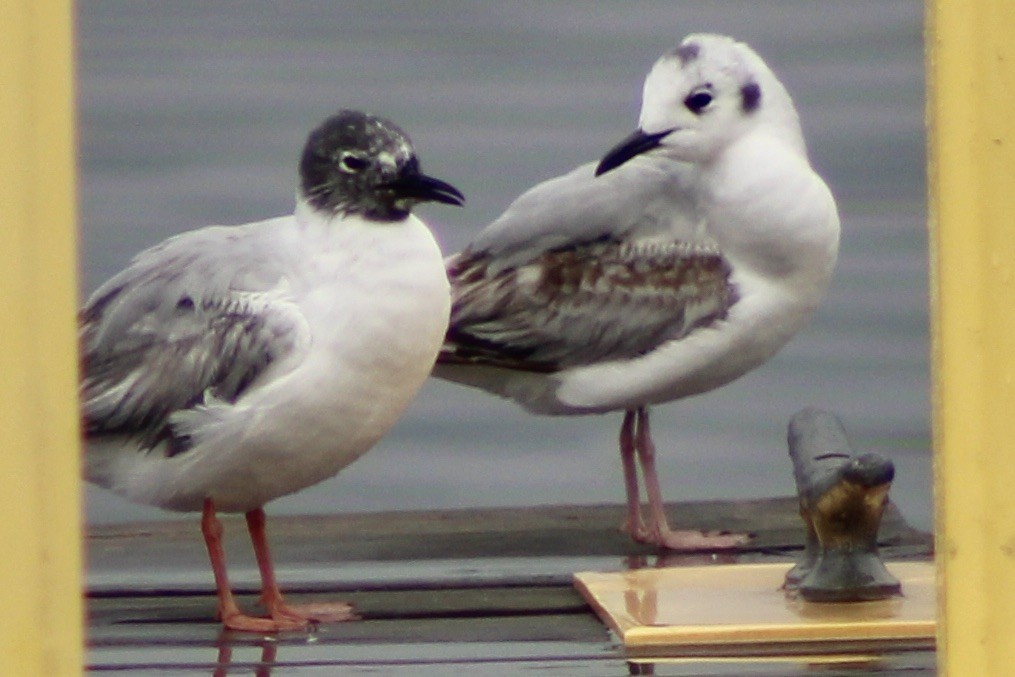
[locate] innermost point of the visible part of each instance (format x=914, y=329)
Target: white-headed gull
x=232, y=365
x=688, y=257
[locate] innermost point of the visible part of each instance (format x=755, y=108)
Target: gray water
x=193, y=113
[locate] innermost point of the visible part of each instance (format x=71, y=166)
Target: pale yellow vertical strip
x=40, y=534
x=971, y=74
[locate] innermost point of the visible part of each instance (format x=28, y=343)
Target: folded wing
x=177, y=330
x=602, y=300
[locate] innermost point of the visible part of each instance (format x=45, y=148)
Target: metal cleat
x=842, y=498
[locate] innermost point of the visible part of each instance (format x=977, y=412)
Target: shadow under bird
x=232, y=365
x=689, y=256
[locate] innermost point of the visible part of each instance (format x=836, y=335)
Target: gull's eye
x=352, y=163
x=698, y=101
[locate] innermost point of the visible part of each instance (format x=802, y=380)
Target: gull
x=687, y=257
x=231, y=365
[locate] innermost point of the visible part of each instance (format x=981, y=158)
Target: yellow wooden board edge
x=744, y=604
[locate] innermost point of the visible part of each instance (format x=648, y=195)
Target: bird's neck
x=754, y=165
x=762, y=200
x=310, y=217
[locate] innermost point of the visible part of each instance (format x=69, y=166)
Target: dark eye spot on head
x=688, y=52
x=353, y=163
x=185, y=303
x=698, y=101
x=750, y=97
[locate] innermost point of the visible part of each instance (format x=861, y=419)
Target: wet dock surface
x=438, y=592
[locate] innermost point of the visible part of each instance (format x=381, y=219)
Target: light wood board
x=744, y=605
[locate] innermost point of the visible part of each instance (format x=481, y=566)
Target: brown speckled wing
x=582, y=304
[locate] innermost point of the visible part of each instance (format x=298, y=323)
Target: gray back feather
x=649, y=196
x=181, y=326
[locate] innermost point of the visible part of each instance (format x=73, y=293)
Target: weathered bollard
x=842, y=498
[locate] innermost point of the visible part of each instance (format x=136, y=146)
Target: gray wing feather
x=652, y=197
x=178, y=327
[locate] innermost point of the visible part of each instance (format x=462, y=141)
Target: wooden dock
x=488, y=590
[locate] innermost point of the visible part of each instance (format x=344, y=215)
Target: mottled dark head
x=355, y=163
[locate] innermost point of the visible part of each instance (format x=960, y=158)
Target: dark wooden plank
x=581, y=629
x=126, y=612
x=323, y=544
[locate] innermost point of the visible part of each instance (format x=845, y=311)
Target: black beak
x=422, y=188
x=639, y=142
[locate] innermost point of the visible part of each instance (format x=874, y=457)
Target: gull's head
x=702, y=96
x=355, y=163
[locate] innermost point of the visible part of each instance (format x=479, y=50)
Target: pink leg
x=224, y=661
x=269, y=654
x=633, y=524
x=659, y=531
x=271, y=595
x=228, y=611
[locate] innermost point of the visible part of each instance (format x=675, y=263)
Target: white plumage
x=229, y=366
x=695, y=250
